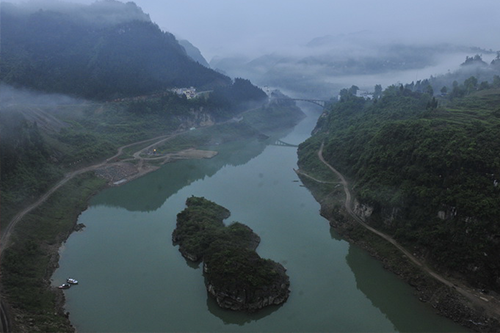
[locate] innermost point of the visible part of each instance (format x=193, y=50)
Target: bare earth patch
x=119, y=173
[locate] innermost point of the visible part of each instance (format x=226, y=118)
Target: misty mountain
x=326, y=64
x=101, y=51
x=473, y=67
x=194, y=53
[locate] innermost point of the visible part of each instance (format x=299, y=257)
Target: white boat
x=64, y=286
x=71, y=281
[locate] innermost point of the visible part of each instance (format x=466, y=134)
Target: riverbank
x=451, y=299
x=29, y=262
x=55, y=219
x=35, y=305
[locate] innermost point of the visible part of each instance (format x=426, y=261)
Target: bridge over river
x=283, y=144
x=318, y=102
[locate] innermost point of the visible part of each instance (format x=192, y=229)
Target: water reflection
x=399, y=306
x=192, y=264
x=148, y=193
x=335, y=235
x=229, y=317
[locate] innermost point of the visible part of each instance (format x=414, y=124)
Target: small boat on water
x=64, y=286
x=71, y=281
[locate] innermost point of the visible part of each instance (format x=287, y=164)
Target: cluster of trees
x=239, y=96
x=54, y=51
x=431, y=174
x=25, y=165
x=469, y=86
x=169, y=103
x=474, y=74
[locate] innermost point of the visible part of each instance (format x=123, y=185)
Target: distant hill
x=329, y=63
x=101, y=51
x=194, y=53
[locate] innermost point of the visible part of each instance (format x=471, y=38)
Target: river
x=133, y=279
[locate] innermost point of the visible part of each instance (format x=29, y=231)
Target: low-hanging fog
x=316, y=47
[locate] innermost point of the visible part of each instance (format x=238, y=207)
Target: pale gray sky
x=223, y=27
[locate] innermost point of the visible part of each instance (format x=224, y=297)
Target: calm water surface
x=133, y=279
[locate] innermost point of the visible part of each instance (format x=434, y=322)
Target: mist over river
x=133, y=279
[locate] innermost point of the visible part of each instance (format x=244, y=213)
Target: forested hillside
x=428, y=167
x=106, y=51
x=101, y=51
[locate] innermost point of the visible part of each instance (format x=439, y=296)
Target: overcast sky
x=223, y=27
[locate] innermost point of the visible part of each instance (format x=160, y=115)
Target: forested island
x=235, y=275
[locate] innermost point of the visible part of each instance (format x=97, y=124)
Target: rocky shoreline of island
x=235, y=275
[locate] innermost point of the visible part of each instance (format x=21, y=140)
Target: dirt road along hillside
x=488, y=302
x=128, y=166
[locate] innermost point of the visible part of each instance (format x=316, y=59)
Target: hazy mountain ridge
x=194, y=52
x=327, y=64
x=98, y=14
x=102, y=51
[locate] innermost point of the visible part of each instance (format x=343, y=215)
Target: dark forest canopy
x=94, y=52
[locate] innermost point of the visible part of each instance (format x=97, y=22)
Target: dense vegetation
x=239, y=96
x=87, y=51
x=231, y=264
x=25, y=168
x=429, y=167
x=201, y=225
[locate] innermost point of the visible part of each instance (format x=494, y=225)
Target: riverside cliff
x=235, y=275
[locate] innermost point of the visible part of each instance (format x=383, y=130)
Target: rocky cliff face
x=362, y=210
x=196, y=118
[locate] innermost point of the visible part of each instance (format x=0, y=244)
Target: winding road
x=487, y=302
x=7, y=231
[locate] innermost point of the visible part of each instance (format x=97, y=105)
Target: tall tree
x=378, y=91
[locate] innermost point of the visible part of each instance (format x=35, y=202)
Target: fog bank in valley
x=313, y=48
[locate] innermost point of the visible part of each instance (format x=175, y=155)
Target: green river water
x=132, y=279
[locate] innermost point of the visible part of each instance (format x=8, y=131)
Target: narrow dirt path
x=487, y=302
x=300, y=172
x=111, y=161
x=70, y=175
